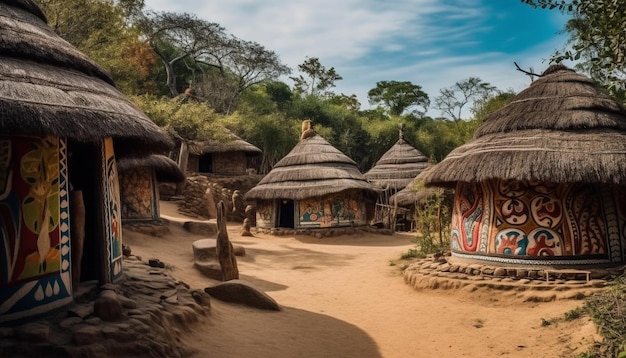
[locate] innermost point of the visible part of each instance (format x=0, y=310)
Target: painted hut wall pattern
x=35, y=219
x=344, y=209
x=543, y=182
x=54, y=101
x=539, y=223
x=140, y=195
x=139, y=180
x=34, y=225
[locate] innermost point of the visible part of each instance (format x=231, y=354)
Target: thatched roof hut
x=544, y=179
x=410, y=196
x=48, y=87
x=233, y=156
x=62, y=123
x=165, y=169
x=562, y=129
x=313, y=169
x=398, y=166
x=139, y=185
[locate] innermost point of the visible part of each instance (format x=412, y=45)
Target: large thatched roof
x=560, y=129
x=166, y=170
x=232, y=144
x=313, y=168
x=398, y=166
x=47, y=87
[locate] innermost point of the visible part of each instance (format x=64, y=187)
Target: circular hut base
x=536, y=284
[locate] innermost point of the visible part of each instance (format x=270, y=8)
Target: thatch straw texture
x=397, y=167
x=313, y=168
x=48, y=87
x=561, y=129
x=232, y=144
x=166, y=170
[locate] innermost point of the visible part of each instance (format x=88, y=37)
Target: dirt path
x=343, y=298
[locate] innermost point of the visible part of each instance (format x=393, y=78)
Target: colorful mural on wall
x=34, y=226
x=539, y=220
x=113, y=212
x=343, y=209
x=264, y=211
x=139, y=199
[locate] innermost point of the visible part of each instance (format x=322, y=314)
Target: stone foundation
x=446, y=272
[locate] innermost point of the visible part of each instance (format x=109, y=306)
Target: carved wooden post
x=225, y=252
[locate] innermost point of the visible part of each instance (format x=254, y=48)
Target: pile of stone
x=145, y=315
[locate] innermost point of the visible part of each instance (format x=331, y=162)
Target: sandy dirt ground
x=343, y=297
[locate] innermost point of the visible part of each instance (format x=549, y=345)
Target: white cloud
x=372, y=40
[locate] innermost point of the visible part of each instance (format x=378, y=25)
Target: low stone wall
x=325, y=232
x=196, y=204
x=445, y=272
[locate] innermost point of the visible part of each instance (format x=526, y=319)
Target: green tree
x=102, y=30
x=397, y=97
x=315, y=79
x=597, y=37
x=483, y=107
x=452, y=100
x=220, y=66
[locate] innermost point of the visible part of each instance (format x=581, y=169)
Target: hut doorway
x=205, y=163
x=286, y=214
x=84, y=173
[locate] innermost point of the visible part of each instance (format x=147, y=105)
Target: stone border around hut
x=320, y=233
x=444, y=272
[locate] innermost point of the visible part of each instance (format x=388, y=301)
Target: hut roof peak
x=556, y=68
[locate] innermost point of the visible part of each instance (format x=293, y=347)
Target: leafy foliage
x=452, y=100
x=315, y=79
x=597, y=38
x=432, y=218
x=397, y=97
x=484, y=106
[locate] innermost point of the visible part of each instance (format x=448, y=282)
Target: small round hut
x=314, y=186
x=392, y=173
x=233, y=156
x=61, y=123
x=398, y=166
x=139, y=185
x=543, y=180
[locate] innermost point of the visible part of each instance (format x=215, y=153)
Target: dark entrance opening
x=85, y=173
x=286, y=214
x=205, y=163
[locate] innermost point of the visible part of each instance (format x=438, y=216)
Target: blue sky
x=431, y=43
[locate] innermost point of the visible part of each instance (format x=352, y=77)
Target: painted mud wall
x=539, y=223
x=343, y=209
x=335, y=210
x=265, y=214
x=112, y=214
x=34, y=226
x=138, y=196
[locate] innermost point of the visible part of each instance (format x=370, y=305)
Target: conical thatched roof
x=47, y=87
x=232, y=144
x=166, y=170
x=398, y=166
x=560, y=129
x=313, y=168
